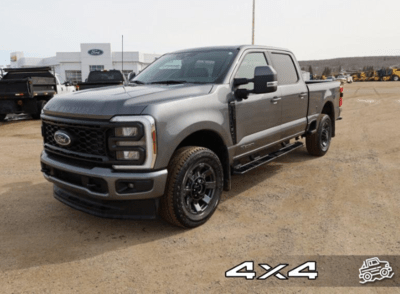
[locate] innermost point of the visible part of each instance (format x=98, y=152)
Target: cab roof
x=237, y=47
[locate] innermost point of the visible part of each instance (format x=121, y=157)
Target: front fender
x=177, y=120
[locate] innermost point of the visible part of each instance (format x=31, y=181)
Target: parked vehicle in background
x=104, y=78
x=341, y=78
x=170, y=140
x=64, y=87
x=344, y=78
x=391, y=74
x=359, y=77
x=26, y=90
x=331, y=78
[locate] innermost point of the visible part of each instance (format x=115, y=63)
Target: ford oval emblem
x=95, y=52
x=62, y=138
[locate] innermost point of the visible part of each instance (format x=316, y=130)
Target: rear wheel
x=319, y=142
x=40, y=104
x=384, y=272
x=194, y=187
x=2, y=117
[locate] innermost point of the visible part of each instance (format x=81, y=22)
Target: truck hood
x=104, y=103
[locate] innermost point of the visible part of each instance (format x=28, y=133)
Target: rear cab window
x=284, y=66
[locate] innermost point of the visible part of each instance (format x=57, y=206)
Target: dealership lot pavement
x=345, y=203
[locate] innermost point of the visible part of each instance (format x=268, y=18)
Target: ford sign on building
x=95, y=52
x=76, y=66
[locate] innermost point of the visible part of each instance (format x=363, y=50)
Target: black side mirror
x=131, y=76
x=265, y=81
x=67, y=84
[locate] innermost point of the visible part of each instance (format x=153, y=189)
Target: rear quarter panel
x=319, y=94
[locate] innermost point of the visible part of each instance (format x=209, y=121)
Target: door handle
x=275, y=100
x=302, y=95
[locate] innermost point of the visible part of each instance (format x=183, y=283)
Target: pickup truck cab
x=64, y=87
x=103, y=78
x=169, y=142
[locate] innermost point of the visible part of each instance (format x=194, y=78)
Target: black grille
x=87, y=139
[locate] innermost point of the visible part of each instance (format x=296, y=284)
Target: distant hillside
x=350, y=64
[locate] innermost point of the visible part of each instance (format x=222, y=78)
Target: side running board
x=242, y=169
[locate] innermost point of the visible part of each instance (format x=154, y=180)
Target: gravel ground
x=345, y=203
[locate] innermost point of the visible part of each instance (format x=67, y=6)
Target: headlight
x=127, y=132
x=134, y=142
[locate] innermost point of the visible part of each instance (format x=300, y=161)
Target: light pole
x=254, y=9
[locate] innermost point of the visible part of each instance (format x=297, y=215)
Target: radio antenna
x=254, y=8
x=122, y=54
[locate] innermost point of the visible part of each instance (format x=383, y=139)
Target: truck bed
x=27, y=87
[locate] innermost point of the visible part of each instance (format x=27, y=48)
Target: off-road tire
x=173, y=205
x=40, y=104
x=315, y=142
x=395, y=78
x=2, y=117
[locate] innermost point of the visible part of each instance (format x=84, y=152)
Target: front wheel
x=194, y=187
x=395, y=78
x=318, y=143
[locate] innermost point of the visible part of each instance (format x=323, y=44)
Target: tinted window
x=247, y=67
x=107, y=76
x=284, y=66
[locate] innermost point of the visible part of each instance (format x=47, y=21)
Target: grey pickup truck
x=169, y=142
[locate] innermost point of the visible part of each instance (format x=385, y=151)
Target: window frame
x=77, y=75
x=238, y=63
x=98, y=65
x=270, y=52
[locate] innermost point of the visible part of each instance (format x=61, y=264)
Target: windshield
x=188, y=67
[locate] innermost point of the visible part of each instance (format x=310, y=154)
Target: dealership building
x=75, y=66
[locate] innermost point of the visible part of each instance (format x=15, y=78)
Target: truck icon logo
x=62, y=138
x=374, y=269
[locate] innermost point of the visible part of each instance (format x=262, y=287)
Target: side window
x=60, y=80
x=247, y=67
x=285, y=68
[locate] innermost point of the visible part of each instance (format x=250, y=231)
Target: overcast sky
x=312, y=29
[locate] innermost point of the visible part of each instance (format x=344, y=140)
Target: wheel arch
x=329, y=109
x=214, y=141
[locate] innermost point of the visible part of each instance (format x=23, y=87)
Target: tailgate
x=18, y=88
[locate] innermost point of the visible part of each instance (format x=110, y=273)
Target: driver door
x=258, y=117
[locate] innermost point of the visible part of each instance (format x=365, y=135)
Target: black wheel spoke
x=210, y=185
x=207, y=173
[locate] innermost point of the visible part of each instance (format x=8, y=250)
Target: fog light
x=126, y=132
x=128, y=155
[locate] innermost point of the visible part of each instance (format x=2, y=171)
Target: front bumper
x=78, y=180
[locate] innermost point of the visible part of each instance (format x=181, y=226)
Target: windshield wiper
x=169, y=82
